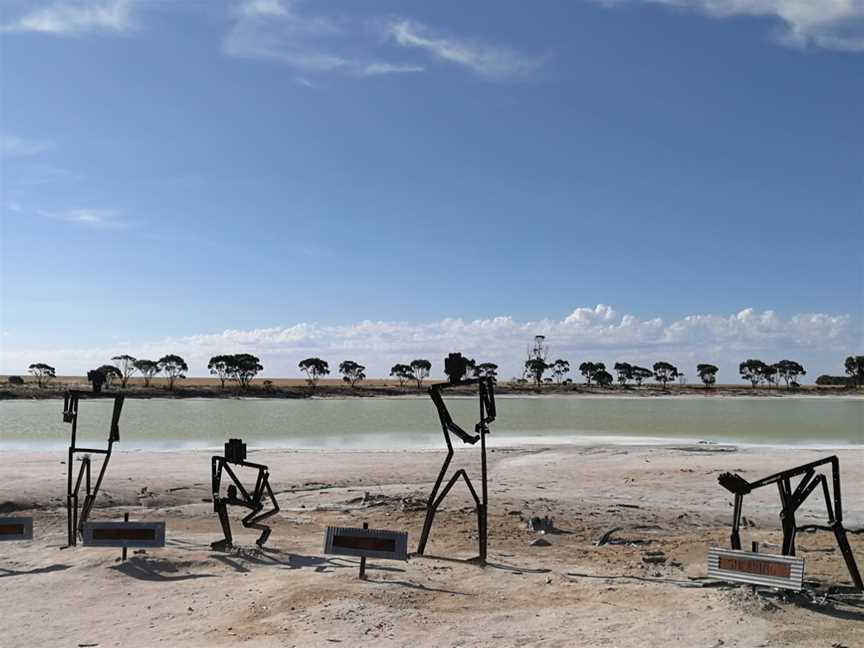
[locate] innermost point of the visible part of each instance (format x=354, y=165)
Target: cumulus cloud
x=75, y=18
x=490, y=61
x=599, y=333
x=830, y=24
x=276, y=30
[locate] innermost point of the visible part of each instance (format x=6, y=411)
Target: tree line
x=242, y=368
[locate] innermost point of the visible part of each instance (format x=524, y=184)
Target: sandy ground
x=662, y=498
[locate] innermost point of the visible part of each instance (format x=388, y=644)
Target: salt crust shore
x=665, y=497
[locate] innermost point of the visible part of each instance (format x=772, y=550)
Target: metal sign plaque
x=16, y=528
x=366, y=543
x=737, y=566
x=124, y=534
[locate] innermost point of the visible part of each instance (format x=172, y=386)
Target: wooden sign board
x=124, y=534
x=786, y=572
x=16, y=528
x=366, y=543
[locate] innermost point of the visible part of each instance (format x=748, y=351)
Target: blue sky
x=390, y=180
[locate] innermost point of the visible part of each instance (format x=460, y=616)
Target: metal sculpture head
x=235, y=451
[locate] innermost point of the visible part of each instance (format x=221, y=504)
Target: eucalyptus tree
x=218, y=367
x=243, y=367
x=147, y=368
x=42, y=372
x=111, y=373
x=486, y=370
x=314, y=369
x=420, y=369
x=402, y=373
x=603, y=378
x=789, y=371
x=126, y=368
x=855, y=369
x=640, y=374
x=560, y=368
x=753, y=370
x=708, y=374
x=352, y=372
x=588, y=369
x=664, y=372
x=536, y=367
x=174, y=367
x=624, y=371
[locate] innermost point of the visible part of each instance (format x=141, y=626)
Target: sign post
x=733, y=565
x=366, y=543
x=16, y=528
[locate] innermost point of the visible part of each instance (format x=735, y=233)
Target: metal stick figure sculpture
x=75, y=520
x=235, y=454
x=791, y=500
x=455, y=366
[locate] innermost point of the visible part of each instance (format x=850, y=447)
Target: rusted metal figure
x=791, y=500
x=235, y=454
x=455, y=366
x=74, y=519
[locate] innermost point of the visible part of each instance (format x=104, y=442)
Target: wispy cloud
x=598, y=333
x=93, y=218
x=16, y=146
x=829, y=24
x=72, y=18
x=487, y=60
x=276, y=30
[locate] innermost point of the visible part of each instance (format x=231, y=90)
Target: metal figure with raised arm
x=791, y=500
x=74, y=519
x=455, y=366
x=235, y=454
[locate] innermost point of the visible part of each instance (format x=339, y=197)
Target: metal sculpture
x=455, y=366
x=791, y=500
x=75, y=519
x=235, y=454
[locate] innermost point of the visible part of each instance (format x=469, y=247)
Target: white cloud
x=490, y=61
x=818, y=340
x=275, y=30
x=94, y=218
x=16, y=146
x=74, y=18
x=830, y=24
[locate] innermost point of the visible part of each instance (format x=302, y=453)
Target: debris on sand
x=540, y=542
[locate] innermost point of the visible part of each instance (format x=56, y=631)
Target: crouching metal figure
x=455, y=366
x=791, y=500
x=235, y=454
x=74, y=519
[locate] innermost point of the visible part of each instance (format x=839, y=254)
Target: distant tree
x=772, y=374
x=708, y=374
x=218, y=367
x=486, y=370
x=402, y=373
x=535, y=368
x=753, y=370
x=314, y=368
x=127, y=368
x=624, y=371
x=560, y=368
x=855, y=369
x=352, y=373
x=664, y=372
x=96, y=378
x=825, y=380
x=242, y=368
x=640, y=374
x=603, y=378
x=148, y=369
x=588, y=369
x=174, y=367
x=15, y=380
x=43, y=373
x=789, y=370
x=420, y=371
x=111, y=373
